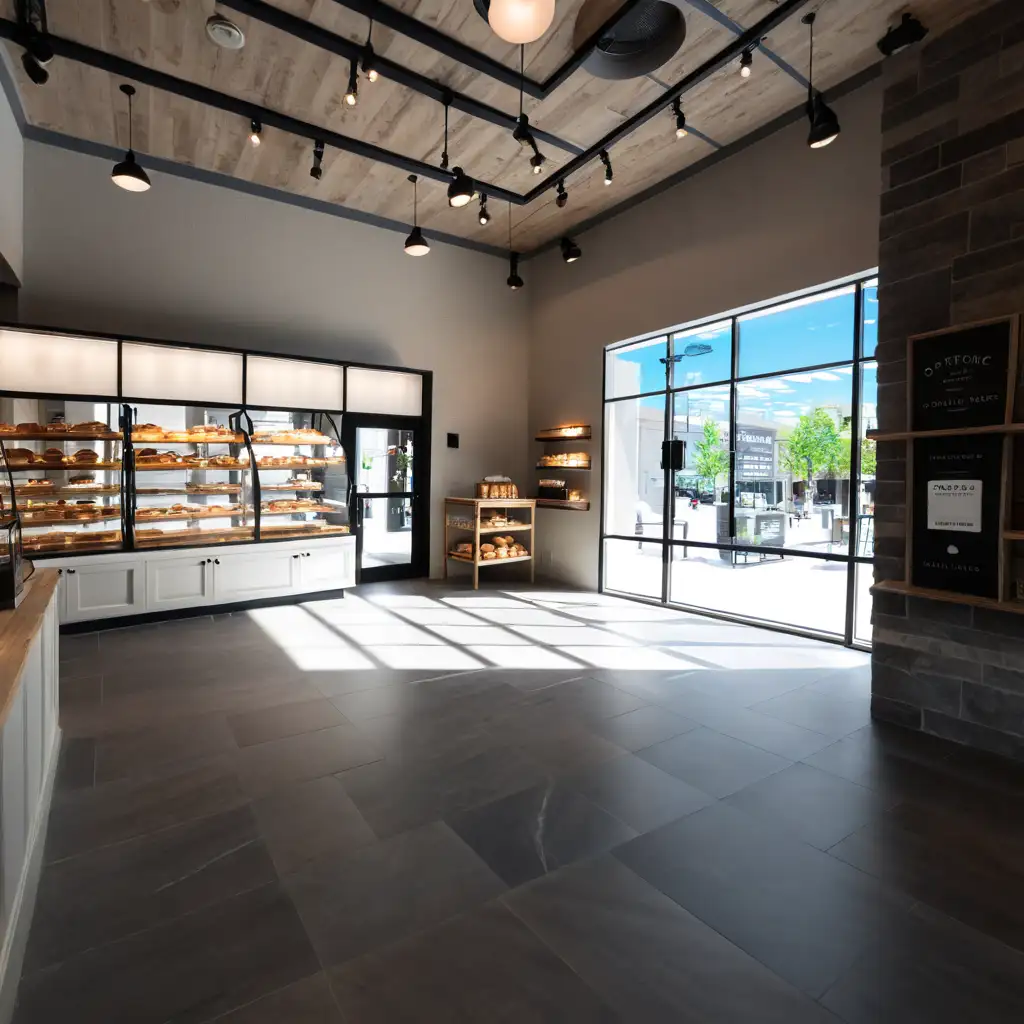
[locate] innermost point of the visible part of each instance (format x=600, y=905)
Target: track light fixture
x=255, y=131
x=416, y=244
x=352, y=92
x=571, y=252
x=563, y=197
x=447, y=100
x=677, y=109
x=537, y=162
x=521, y=133
x=824, y=123
x=484, y=216
x=746, y=63
x=128, y=174
x=369, y=61
x=899, y=37
x=514, y=281
x=607, y=161
x=38, y=51
x=316, y=172
x=461, y=190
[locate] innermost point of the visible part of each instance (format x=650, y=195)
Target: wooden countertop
x=18, y=628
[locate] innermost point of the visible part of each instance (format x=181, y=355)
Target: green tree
x=868, y=457
x=710, y=460
x=814, y=450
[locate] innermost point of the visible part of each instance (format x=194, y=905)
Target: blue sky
x=806, y=332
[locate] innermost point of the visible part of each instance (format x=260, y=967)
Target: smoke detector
x=224, y=32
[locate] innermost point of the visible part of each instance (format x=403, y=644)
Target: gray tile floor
x=424, y=804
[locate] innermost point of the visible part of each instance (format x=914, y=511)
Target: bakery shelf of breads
x=297, y=436
x=293, y=485
x=275, y=531
x=500, y=524
x=91, y=430
x=147, y=537
x=565, y=460
x=151, y=459
x=297, y=461
x=503, y=549
x=167, y=513
x=49, y=489
x=82, y=541
x=287, y=507
x=205, y=434
x=57, y=458
x=53, y=513
x=191, y=488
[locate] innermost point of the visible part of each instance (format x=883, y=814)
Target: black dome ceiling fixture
x=643, y=39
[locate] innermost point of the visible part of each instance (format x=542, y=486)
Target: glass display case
x=65, y=461
x=302, y=474
x=190, y=480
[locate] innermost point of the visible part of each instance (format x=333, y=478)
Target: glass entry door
x=386, y=473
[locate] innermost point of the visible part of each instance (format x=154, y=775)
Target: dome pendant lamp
x=520, y=21
x=824, y=123
x=461, y=190
x=128, y=174
x=416, y=244
x=514, y=281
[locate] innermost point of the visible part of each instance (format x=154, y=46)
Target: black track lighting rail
x=332, y=43
x=750, y=37
x=413, y=28
x=243, y=109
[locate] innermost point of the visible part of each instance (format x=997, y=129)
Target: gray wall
x=953, y=210
x=772, y=219
x=11, y=186
x=193, y=262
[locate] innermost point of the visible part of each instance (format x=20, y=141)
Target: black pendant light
x=128, y=174
x=369, y=59
x=416, y=244
x=316, y=172
x=824, y=123
x=461, y=190
x=484, y=216
x=563, y=197
x=352, y=92
x=677, y=109
x=607, y=161
x=571, y=252
x=514, y=281
x=255, y=131
x=38, y=51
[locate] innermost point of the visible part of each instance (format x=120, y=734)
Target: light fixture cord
x=129, y=121
x=522, y=75
x=415, y=204
x=509, y=227
x=444, y=151
x=810, y=69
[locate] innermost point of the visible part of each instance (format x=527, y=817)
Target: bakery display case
x=302, y=475
x=64, y=478
x=489, y=531
x=554, y=490
x=190, y=478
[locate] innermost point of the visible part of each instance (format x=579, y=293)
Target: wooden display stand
x=565, y=435
x=478, y=530
x=962, y=410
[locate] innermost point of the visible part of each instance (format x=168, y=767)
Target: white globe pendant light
x=520, y=21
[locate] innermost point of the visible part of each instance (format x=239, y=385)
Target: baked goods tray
x=184, y=491
x=32, y=522
x=293, y=511
x=63, y=435
x=61, y=467
x=303, y=530
x=60, y=492
x=293, y=485
x=507, y=528
x=488, y=561
x=571, y=506
x=180, y=466
x=181, y=439
x=174, y=538
x=172, y=517
x=579, y=469
x=257, y=442
x=79, y=546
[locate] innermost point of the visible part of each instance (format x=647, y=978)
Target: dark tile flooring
x=424, y=804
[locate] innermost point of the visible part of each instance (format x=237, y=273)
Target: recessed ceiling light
x=224, y=32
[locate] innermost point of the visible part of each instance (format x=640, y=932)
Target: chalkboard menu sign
x=959, y=377
x=956, y=501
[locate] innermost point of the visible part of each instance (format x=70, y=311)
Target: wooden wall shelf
x=568, y=506
x=949, y=596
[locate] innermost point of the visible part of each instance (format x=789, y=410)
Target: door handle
x=70, y=571
x=216, y=561
x=297, y=556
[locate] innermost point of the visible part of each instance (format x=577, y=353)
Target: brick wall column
x=951, y=252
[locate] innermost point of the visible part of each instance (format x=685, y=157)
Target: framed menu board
x=957, y=498
x=960, y=377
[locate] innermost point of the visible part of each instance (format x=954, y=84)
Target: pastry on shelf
x=84, y=456
x=59, y=427
x=53, y=455
x=488, y=555
x=147, y=432
x=88, y=427
x=81, y=480
x=29, y=428
x=151, y=457
x=8, y=428
x=223, y=460
x=486, y=549
x=22, y=456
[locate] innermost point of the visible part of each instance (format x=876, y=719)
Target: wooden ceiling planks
x=285, y=74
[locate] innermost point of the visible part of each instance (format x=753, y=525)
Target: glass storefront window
x=811, y=331
x=870, y=315
x=636, y=369
x=806, y=593
x=635, y=489
x=767, y=475
x=702, y=356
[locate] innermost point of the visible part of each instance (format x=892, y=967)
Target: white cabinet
x=101, y=590
x=255, y=575
x=329, y=568
x=181, y=582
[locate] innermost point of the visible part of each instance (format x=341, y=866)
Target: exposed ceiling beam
x=305, y=30
x=710, y=67
x=127, y=69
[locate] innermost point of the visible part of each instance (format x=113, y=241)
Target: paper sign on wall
x=955, y=505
